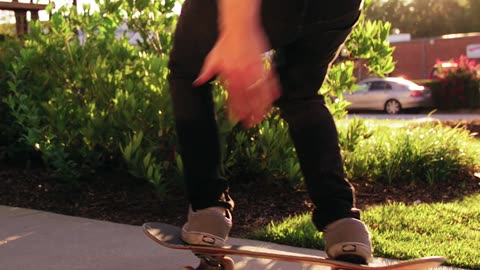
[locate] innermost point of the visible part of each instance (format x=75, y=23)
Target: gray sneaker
x=348, y=240
x=209, y=226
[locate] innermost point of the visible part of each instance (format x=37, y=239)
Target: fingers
x=208, y=71
x=251, y=89
x=268, y=93
x=250, y=105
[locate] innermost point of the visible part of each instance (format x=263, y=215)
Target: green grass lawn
x=402, y=231
x=447, y=229
x=406, y=152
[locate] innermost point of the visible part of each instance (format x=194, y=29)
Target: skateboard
x=217, y=257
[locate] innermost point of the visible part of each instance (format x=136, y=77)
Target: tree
x=428, y=18
x=473, y=9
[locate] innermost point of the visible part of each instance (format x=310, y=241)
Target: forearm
x=236, y=58
x=238, y=15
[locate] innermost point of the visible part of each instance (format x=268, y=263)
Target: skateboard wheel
x=220, y=263
x=208, y=264
x=227, y=263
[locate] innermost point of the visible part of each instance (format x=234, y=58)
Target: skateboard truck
x=212, y=262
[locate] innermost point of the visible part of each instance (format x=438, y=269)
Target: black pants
x=306, y=36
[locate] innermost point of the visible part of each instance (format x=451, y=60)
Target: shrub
x=82, y=96
x=427, y=153
x=10, y=147
x=458, y=85
x=264, y=150
x=87, y=102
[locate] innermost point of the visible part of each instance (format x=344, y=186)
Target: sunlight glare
x=13, y=238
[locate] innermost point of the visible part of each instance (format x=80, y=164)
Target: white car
x=391, y=95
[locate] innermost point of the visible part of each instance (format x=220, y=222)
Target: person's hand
x=237, y=60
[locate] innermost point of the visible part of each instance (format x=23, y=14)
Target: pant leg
x=195, y=120
x=193, y=107
x=302, y=66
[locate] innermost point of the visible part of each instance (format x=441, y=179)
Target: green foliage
x=154, y=21
x=366, y=45
x=86, y=97
x=266, y=149
x=9, y=130
x=428, y=153
x=353, y=134
x=421, y=18
x=339, y=80
x=368, y=42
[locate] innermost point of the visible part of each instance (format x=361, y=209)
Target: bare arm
x=238, y=14
x=237, y=59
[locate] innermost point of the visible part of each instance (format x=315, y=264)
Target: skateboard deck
x=169, y=236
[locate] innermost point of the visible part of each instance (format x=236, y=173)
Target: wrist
x=240, y=16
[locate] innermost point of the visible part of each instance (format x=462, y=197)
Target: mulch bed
x=120, y=198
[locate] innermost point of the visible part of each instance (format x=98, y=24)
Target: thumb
x=207, y=72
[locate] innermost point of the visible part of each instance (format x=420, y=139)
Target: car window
x=379, y=86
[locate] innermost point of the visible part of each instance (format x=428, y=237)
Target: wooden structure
x=21, y=10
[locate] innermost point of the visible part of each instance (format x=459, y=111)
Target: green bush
x=10, y=147
x=264, y=150
x=426, y=153
x=458, y=86
x=93, y=100
x=457, y=93
x=86, y=100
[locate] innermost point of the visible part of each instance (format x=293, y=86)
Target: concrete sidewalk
x=31, y=239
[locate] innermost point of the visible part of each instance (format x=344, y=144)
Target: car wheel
x=393, y=106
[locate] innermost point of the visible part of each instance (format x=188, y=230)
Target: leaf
x=147, y=159
x=141, y=4
x=150, y=172
x=127, y=152
x=137, y=140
